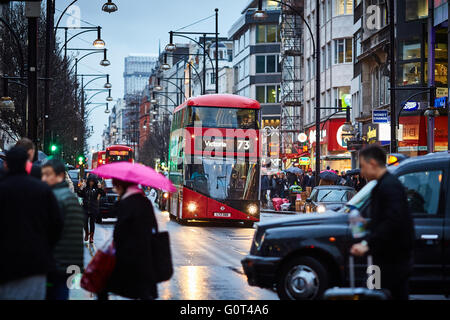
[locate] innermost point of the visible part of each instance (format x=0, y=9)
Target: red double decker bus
x=214, y=159
x=117, y=153
x=98, y=159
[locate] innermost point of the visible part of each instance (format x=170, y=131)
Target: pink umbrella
x=136, y=173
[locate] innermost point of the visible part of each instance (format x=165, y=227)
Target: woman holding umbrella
x=134, y=274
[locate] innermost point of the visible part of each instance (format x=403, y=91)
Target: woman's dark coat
x=133, y=276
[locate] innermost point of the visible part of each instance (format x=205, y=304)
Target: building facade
x=371, y=82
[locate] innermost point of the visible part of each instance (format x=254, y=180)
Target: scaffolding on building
x=291, y=60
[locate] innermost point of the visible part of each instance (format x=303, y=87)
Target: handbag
x=100, y=268
x=161, y=255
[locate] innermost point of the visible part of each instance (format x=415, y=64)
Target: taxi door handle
x=429, y=236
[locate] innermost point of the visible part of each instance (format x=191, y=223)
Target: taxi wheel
x=302, y=278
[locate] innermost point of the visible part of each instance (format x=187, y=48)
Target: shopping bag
x=162, y=257
x=100, y=268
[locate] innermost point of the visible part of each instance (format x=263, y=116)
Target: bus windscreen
x=233, y=118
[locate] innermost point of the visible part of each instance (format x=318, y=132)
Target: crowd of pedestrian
x=278, y=185
x=42, y=236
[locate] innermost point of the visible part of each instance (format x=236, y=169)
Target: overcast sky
x=137, y=28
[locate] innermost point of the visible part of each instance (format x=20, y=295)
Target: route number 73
x=243, y=145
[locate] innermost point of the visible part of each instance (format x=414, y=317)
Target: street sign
x=441, y=92
x=411, y=106
x=440, y=102
x=380, y=116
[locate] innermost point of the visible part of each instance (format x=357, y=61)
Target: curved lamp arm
x=162, y=94
x=87, y=54
x=65, y=44
x=192, y=39
x=62, y=14
x=176, y=87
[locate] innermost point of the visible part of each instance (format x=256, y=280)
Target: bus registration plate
x=222, y=214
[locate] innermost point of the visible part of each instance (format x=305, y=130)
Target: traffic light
x=53, y=148
x=80, y=160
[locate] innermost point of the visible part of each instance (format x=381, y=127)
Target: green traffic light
x=53, y=148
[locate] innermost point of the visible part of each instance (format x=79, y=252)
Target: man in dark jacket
x=31, y=226
x=391, y=230
x=69, y=249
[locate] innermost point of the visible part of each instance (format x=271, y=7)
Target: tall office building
x=136, y=74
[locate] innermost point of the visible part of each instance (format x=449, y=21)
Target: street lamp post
x=33, y=10
x=393, y=146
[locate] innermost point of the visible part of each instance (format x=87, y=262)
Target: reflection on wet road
x=206, y=260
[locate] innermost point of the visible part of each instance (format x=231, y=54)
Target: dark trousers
x=89, y=221
x=57, y=288
x=395, y=278
x=264, y=197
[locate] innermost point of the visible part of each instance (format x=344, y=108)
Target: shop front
x=333, y=146
x=411, y=134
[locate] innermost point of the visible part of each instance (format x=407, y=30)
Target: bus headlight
x=321, y=208
x=252, y=209
x=192, y=206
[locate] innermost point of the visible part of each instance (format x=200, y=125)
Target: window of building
x=260, y=64
x=410, y=73
x=342, y=51
x=329, y=55
x=358, y=47
x=268, y=94
x=308, y=69
x=261, y=94
x=267, y=33
x=410, y=50
x=416, y=9
x=344, y=7
x=329, y=8
x=267, y=64
x=340, y=93
x=323, y=59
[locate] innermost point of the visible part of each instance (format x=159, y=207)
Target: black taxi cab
x=302, y=256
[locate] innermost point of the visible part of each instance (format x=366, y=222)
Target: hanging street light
x=110, y=7
x=6, y=104
x=107, y=110
x=171, y=47
x=99, y=43
x=107, y=85
x=158, y=86
x=109, y=98
x=260, y=14
x=105, y=62
x=165, y=65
